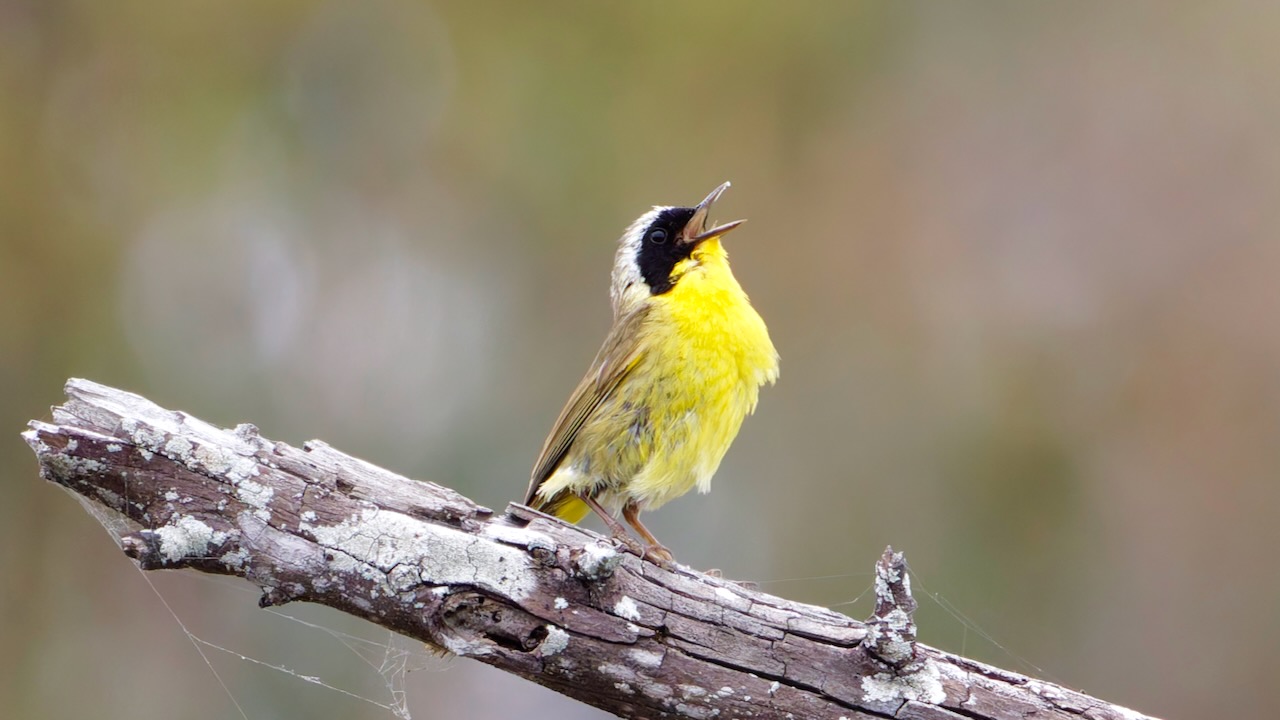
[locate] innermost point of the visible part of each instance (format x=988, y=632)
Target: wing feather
x=619, y=355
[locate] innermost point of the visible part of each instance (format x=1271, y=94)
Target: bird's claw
x=656, y=554
x=659, y=556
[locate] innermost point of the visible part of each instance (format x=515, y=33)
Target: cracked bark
x=553, y=603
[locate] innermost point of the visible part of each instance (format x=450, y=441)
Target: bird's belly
x=670, y=423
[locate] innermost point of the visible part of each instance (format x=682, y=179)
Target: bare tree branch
x=521, y=591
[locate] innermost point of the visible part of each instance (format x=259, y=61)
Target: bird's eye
x=657, y=236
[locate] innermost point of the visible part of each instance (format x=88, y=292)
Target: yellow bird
x=664, y=398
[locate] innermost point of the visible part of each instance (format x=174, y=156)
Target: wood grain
x=524, y=592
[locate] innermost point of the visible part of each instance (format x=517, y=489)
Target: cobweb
x=390, y=658
x=862, y=606
x=968, y=627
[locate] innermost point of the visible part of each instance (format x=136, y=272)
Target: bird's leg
x=615, y=528
x=656, y=551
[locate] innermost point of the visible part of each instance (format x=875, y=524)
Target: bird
x=679, y=370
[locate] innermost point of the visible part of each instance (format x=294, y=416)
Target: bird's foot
x=659, y=555
x=630, y=543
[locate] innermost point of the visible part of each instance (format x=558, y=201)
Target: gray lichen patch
x=178, y=448
x=256, y=496
x=692, y=691
x=464, y=647
x=247, y=432
x=597, y=561
x=403, y=578
x=380, y=541
x=887, y=576
x=145, y=438
x=615, y=671
x=555, y=642
x=67, y=468
x=626, y=608
x=884, y=577
x=892, y=637
x=646, y=658
x=237, y=559
x=111, y=499
x=922, y=685
x=187, y=537
x=223, y=462
x=57, y=465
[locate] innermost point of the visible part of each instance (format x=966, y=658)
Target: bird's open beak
x=696, y=229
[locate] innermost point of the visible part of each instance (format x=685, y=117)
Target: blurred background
x=1020, y=261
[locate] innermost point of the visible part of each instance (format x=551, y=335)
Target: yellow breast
x=707, y=354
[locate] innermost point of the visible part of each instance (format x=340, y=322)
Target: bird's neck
x=706, y=271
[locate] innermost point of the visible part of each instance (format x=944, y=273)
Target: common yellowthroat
x=664, y=398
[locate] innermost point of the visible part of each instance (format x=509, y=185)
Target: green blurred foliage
x=1020, y=261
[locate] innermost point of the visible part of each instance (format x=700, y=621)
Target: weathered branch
x=551, y=602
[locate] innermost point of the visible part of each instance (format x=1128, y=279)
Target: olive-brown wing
x=619, y=355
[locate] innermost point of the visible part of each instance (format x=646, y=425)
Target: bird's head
x=652, y=251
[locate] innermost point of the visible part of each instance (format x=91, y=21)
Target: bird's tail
x=565, y=506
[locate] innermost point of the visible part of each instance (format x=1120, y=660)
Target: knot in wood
x=891, y=632
x=477, y=618
x=595, y=561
